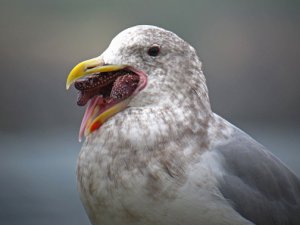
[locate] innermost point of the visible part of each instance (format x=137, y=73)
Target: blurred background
x=250, y=51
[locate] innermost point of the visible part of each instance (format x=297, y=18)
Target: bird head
x=144, y=66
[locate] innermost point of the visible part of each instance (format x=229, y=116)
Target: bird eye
x=153, y=51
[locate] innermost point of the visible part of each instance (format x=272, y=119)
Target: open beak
x=98, y=110
x=92, y=119
x=91, y=66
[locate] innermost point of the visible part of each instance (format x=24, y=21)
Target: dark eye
x=153, y=51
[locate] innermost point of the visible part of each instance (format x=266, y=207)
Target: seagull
x=154, y=151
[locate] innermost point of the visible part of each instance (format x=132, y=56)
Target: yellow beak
x=95, y=65
x=92, y=66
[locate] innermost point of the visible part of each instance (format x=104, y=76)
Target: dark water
x=37, y=173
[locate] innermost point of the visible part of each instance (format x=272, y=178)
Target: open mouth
x=106, y=92
x=110, y=86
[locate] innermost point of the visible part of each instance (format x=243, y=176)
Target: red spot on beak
x=95, y=126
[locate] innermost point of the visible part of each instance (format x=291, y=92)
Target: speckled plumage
x=160, y=160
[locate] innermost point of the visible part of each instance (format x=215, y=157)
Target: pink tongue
x=96, y=100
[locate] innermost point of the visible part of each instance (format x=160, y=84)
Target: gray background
x=250, y=51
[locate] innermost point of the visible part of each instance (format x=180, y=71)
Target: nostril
x=90, y=67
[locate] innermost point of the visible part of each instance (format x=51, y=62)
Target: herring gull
x=155, y=153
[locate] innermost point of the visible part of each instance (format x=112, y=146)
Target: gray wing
x=257, y=184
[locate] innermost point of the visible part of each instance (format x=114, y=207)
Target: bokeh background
x=250, y=52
